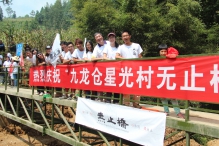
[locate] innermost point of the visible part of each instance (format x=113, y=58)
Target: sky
x=23, y=7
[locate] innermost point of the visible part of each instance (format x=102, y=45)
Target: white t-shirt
x=131, y=51
x=88, y=55
x=98, y=50
x=32, y=60
x=78, y=54
x=110, y=52
x=68, y=55
x=64, y=53
x=15, y=67
x=7, y=64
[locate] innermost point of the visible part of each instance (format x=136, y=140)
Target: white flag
x=56, y=50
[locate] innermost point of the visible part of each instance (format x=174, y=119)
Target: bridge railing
x=187, y=105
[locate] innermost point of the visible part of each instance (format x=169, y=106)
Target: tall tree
x=32, y=13
x=6, y=1
x=9, y=11
x=1, y=14
x=210, y=12
x=14, y=15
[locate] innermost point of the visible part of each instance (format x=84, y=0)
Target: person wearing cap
x=109, y=53
x=170, y=52
x=126, y=51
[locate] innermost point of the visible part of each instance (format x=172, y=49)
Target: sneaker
x=41, y=94
x=180, y=115
x=63, y=97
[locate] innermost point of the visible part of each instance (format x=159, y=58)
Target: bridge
x=45, y=114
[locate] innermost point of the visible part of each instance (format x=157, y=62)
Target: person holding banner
x=109, y=53
x=68, y=59
x=98, y=51
x=89, y=50
x=40, y=61
x=79, y=52
x=169, y=53
x=126, y=51
x=87, y=57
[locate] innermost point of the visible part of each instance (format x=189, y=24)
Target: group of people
x=103, y=50
x=11, y=66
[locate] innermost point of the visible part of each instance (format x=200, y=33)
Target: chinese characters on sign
x=192, y=80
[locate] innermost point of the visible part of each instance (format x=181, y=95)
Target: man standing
x=126, y=51
x=98, y=49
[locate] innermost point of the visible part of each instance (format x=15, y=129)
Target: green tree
x=210, y=12
x=9, y=11
x=6, y=1
x=32, y=13
x=14, y=15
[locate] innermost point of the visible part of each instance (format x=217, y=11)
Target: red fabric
x=172, y=53
x=11, y=68
x=22, y=62
x=189, y=78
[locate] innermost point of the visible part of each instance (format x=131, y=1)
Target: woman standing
x=87, y=56
x=89, y=50
x=40, y=61
x=110, y=54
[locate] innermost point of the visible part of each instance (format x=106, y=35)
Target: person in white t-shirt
x=68, y=59
x=30, y=57
x=89, y=50
x=15, y=65
x=6, y=65
x=109, y=53
x=126, y=51
x=64, y=47
x=98, y=49
x=87, y=56
x=79, y=52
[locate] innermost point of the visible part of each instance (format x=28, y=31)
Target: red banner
x=190, y=78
